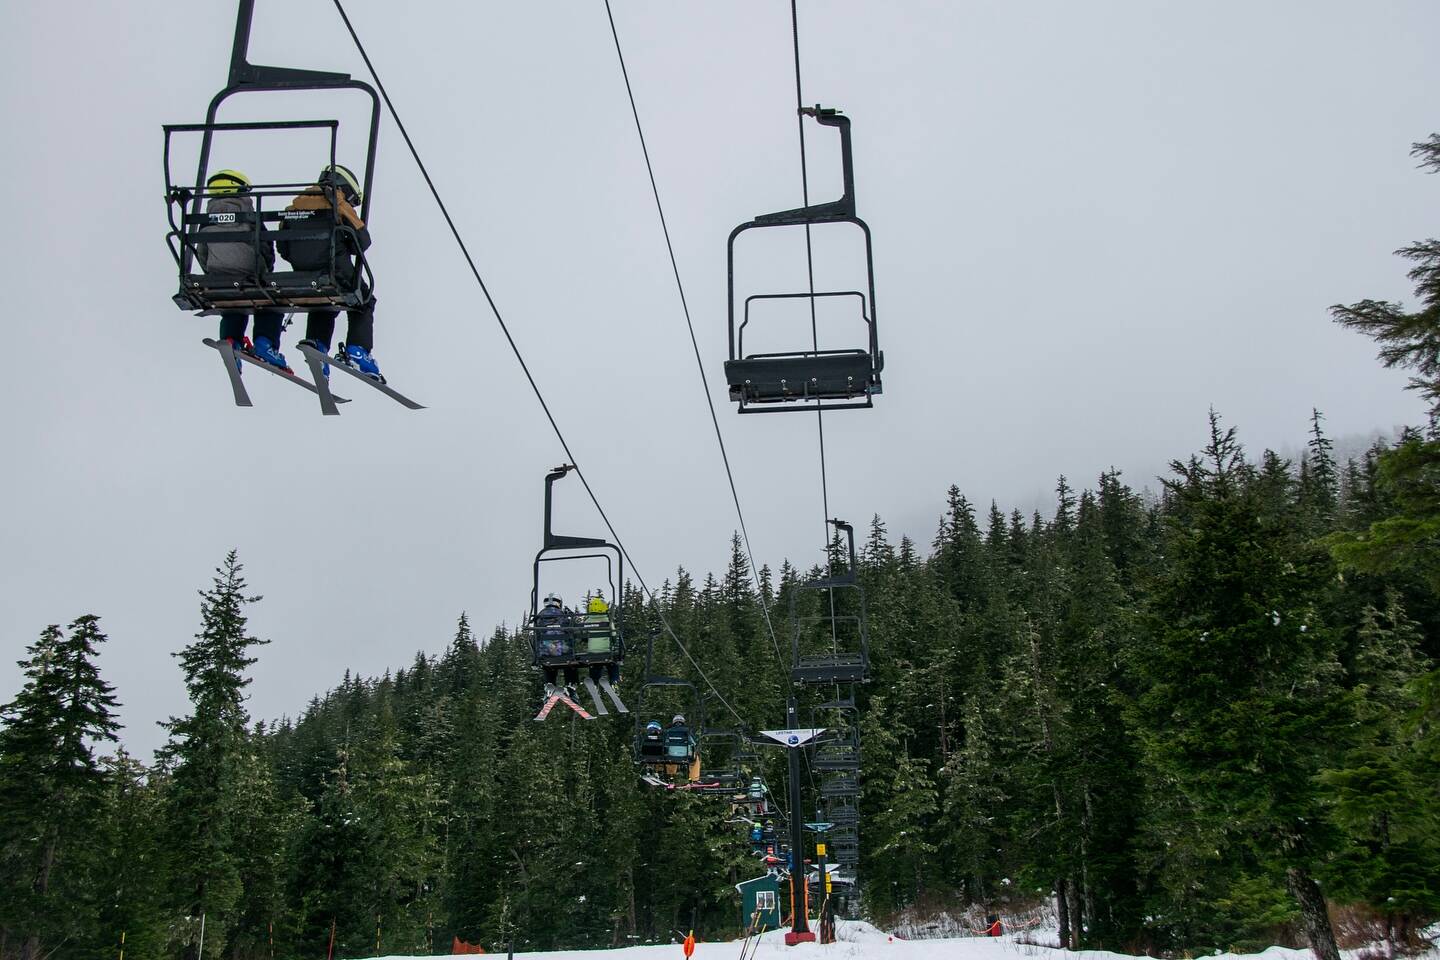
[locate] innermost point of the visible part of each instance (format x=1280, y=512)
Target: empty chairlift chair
x=832, y=647
x=841, y=754
x=844, y=785
x=806, y=377
x=721, y=771
x=842, y=813
x=843, y=844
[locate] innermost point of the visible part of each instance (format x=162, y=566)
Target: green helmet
x=228, y=181
x=344, y=179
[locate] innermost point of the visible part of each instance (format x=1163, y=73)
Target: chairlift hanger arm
x=841, y=209
x=840, y=525
x=249, y=77
x=562, y=541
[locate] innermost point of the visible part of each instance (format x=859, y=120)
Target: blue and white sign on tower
x=793, y=738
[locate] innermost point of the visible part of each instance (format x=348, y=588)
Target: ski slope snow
x=858, y=940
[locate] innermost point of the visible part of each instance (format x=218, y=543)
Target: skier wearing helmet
x=336, y=188
x=599, y=637
x=680, y=748
x=553, y=626
x=652, y=743
x=229, y=194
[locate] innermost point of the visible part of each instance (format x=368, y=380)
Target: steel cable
x=694, y=342
x=519, y=357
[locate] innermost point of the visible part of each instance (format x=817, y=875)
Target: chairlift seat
x=830, y=668
x=787, y=377
x=289, y=289
x=843, y=756
x=843, y=815
x=844, y=786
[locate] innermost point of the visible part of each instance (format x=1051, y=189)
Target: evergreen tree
x=125, y=859
x=50, y=787
x=1242, y=707
x=1409, y=340
x=201, y=757
x=1409, y=538
x=1382, y=796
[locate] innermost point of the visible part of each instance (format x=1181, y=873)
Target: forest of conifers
x=1187, y=721
x=1171, y=713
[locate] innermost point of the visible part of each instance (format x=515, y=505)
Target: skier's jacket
x=598, y=628
x=313, y=253
x=652, y=745
x=678, y=744
x=550, y=626
x=232, y=258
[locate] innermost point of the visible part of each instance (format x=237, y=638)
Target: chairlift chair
x=843, y=812
x=839, y=755
x=192, y=229
x=843, y=845
x=850, y=664
x=680, y=761
x=586, y=652
x=721, y=771
x=807, y=378
x=667, y=762
x=844, y=784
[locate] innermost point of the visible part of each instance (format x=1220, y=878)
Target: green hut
x=760, y=898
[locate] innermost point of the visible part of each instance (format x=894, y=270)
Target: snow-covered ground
x=861, y=941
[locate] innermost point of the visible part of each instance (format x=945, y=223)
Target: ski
x=232, y=368
x=282, y=374
x=337, y=364
x=614, y=697
x=655, y=781
x=316, y=362
x=561, y=697
x=595, y=697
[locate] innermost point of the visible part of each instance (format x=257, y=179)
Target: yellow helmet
x=228, y=181
x=597, y=605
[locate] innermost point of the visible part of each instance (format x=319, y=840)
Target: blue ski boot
x=322, y=347
x=265, y=350
x=360, y=359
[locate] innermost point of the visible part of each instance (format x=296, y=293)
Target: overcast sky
x=1092, y=222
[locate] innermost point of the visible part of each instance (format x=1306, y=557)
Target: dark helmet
x=343, y=179
x=653, y=725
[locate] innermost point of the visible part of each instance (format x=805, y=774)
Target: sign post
x=794, y=739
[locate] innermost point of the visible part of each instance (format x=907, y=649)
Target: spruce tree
x=125, y=859
x=1241, y=708
x=1409, y=340
x=51, y=786
x=201, y=758
x=1382, y=795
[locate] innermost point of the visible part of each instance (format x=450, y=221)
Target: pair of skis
x=656, y=781
x=315, y=360
x=560, y=695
